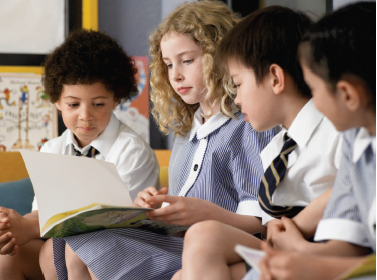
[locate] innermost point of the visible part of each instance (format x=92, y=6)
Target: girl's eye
x=188, y=61
x=169, y=66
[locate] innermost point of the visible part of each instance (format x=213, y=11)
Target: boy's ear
x=277, y=78
x=349, y=94
x=57, y=104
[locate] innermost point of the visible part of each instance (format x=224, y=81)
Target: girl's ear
x=277, y=78
x=349, y=94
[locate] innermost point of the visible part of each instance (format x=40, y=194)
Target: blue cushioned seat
x=17, y=195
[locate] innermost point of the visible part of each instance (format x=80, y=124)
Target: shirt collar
x=201, y=129
x=101, y=143
x=305, y=123
x=362, y=141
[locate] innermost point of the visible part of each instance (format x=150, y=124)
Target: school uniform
x=134, y=159
x=217, y=161
x=350, y=214
x=312, y=165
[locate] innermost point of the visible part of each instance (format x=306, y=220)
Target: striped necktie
x=92, y=152
x=273, y=175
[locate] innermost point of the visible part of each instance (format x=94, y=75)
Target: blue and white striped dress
x=218, y=162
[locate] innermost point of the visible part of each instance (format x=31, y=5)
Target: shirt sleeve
x=137, y=166
x=341, y=220
x=248, y=170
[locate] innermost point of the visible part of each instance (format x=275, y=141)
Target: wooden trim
x=22, y=69
x=90, y=14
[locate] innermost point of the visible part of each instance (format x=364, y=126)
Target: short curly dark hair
x=87, y=57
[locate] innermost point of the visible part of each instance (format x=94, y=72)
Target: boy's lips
x=183, y=90
x=86, y=129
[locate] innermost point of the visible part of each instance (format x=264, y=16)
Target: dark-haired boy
x=86, y=77
x=260, y=55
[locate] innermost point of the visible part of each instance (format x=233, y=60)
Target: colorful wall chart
x=27, y=118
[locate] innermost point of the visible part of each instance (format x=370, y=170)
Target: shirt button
x=196, y=167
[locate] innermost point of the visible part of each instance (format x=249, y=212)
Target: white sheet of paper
x=251, y=256
x=35, y=27
x=62, y=183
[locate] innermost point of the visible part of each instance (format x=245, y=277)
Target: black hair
x=268, y=36
x=343, y=44
x=87, y=57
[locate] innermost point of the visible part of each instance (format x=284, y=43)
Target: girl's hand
x=140, y=200
x=184, y=211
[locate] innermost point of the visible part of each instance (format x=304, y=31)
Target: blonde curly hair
x=206, y=22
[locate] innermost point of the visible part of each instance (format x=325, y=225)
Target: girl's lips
x=183, y=90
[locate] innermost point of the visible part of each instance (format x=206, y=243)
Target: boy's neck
x=293, y=104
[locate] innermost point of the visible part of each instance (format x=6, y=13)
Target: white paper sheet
x=62, y=183
x=251, y=256
x=34, y=27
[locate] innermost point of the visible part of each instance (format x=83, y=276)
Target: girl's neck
x=206, y=109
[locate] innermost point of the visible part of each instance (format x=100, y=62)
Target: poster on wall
x=27, y=118
x=135, y=113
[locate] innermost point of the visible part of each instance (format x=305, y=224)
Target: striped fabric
x=347, y=214
x=273, y=175
x=92, y=152
x=220, y=159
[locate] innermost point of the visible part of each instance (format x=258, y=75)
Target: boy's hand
x=20, y=227
x=272, y=227
x=286, y=236
x=140, y=200
x=184, y=211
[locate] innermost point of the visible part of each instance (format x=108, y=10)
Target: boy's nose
x=86, y=114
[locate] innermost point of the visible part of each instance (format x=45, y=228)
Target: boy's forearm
x=333, y=248
x=307, y=220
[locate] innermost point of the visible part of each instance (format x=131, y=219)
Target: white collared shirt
x=134, y=159
x=312, y=166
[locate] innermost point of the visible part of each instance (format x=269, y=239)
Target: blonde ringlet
x=206, y=22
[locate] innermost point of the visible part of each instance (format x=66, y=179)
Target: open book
x=250, y=256
x=80, y=194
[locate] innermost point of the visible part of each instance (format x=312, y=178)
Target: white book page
x=251, y=256
x=62, y=183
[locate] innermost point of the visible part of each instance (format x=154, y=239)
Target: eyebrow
x=180, y=54
x=97, y=97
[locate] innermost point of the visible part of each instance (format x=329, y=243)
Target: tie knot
x=91, y=152
x=289, y=145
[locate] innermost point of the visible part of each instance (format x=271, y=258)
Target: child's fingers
x=288, y=223
x=5, y=237
x=4, y=226
x=163, y=191
x=151, y=190
x=4, y=218
x=7, y=248
x=14, y=250
x=162, y=198
x=263, y=266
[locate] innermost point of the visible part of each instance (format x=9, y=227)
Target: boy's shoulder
x=57, y=144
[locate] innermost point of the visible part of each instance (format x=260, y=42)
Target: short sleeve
x=342, y=220
x=248, y=170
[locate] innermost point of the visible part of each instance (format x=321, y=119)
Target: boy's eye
x=73, y=104
x=99, y=104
